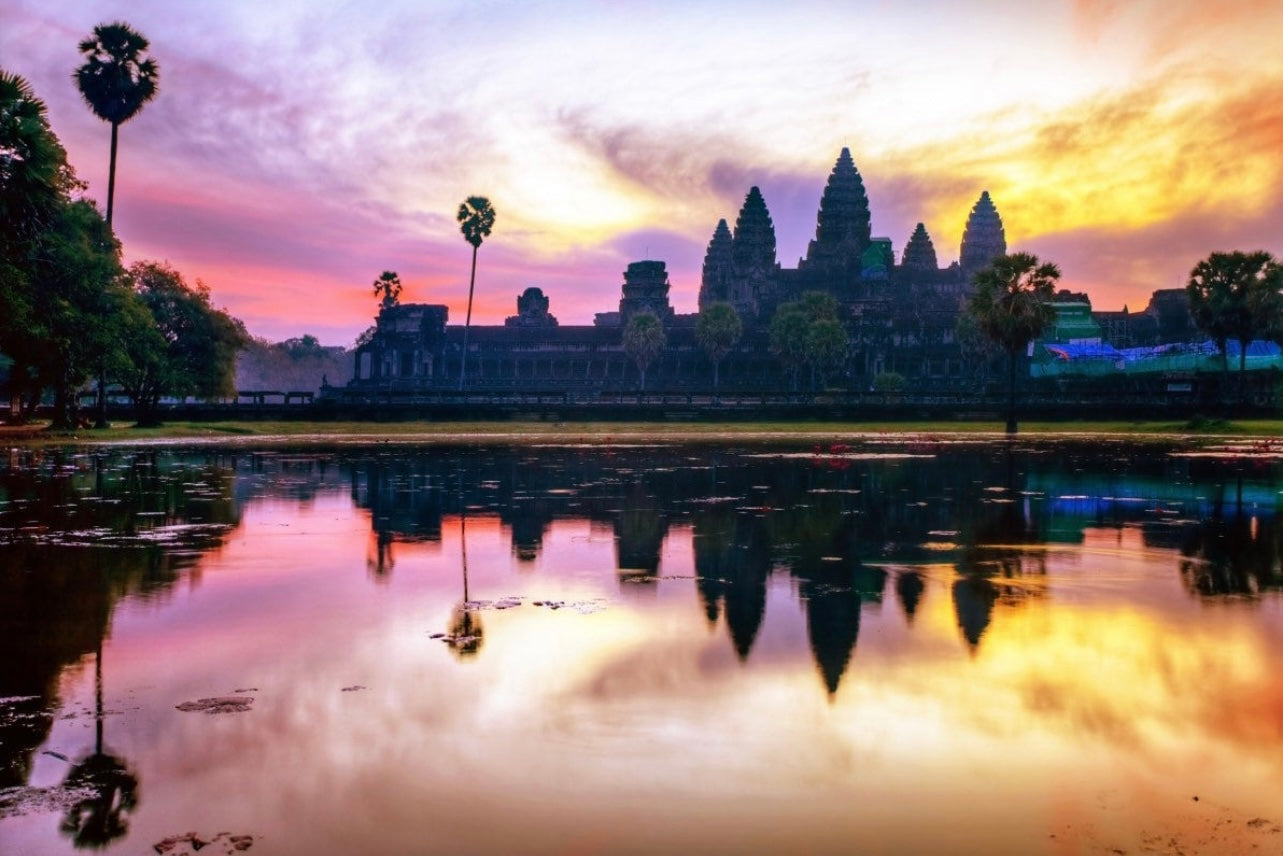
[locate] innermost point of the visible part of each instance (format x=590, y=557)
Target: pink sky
x=297, y=150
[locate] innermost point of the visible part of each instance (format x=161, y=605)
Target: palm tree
x=1235, y=296
x=1011, y=305
x=388, y=289
x=718, y=330
x=476, y=219
x=34, y=176
x=116, y=81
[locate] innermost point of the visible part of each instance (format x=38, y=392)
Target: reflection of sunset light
x=1096, y=678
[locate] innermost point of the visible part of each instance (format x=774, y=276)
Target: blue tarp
x=1101, y=358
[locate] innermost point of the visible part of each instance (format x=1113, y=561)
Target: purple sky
x=298, y=149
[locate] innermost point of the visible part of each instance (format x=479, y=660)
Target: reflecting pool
x=894, y=644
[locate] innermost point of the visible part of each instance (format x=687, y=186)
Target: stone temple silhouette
x=900, y=316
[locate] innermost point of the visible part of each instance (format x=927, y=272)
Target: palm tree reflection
x=465, y=633
x=105, y=787
x=1003, y=543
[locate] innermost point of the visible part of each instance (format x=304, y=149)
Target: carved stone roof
x=842, y=230
x=718, y=267
x=984, y=239
x=645, y=289
x=532, y=310
x=920, y=253
x=753, y=245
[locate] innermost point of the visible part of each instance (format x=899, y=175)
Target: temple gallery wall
x=900, y=315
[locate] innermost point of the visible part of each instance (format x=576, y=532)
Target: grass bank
x=603, y=432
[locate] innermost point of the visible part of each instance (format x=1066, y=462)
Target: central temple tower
x=843, y=229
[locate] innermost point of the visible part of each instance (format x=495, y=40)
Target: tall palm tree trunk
x=467, y=321
x=1242, y=372
x=100, y=405
x=98, y=698
x=111, y=173
x=1011, y=392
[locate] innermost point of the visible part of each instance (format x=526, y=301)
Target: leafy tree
x=788, y=336
x=825, y=347
x=644, y=340
x=819, y=304
x=300, y=363
x=888, y=382
x=476, y=218
x=1011, y=304
x=116, y=81
x=75, y=296
x=389, y=286
x=35, y=186
x=1235, y=296
x=718, y=331
x=808, y=332
x=302, y=347
x=191, y=347
x=978, y=350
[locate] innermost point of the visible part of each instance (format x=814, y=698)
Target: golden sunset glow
x=1124, y=141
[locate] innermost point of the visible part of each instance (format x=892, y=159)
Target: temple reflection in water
x=840, y=555
x=839, y=523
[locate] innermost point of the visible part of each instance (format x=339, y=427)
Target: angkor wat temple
x=899, y=316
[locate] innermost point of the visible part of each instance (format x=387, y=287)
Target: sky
x=299, y=148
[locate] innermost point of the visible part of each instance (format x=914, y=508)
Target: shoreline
x=618, y=433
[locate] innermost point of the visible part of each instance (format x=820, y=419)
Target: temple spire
x=753, y=245
x=752, y=255
x=920, y=253
x=984, y=239
x=718, y=267
x=842, y=230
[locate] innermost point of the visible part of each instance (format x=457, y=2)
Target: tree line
x=70, y=311
x=1233, y=297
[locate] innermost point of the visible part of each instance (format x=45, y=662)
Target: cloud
x=279, y=159
x=1166, y=30
x=1117, y=267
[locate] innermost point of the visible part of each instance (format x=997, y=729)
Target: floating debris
x=190, y=842
x=502, y=603
x=218, y=704
x=20, y=801
x=583, y=607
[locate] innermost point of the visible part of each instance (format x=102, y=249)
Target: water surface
x=894, y=645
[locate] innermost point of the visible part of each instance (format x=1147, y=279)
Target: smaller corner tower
x=645, y=290
x=752, y=256
x=920, y=253
x=719, y=268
